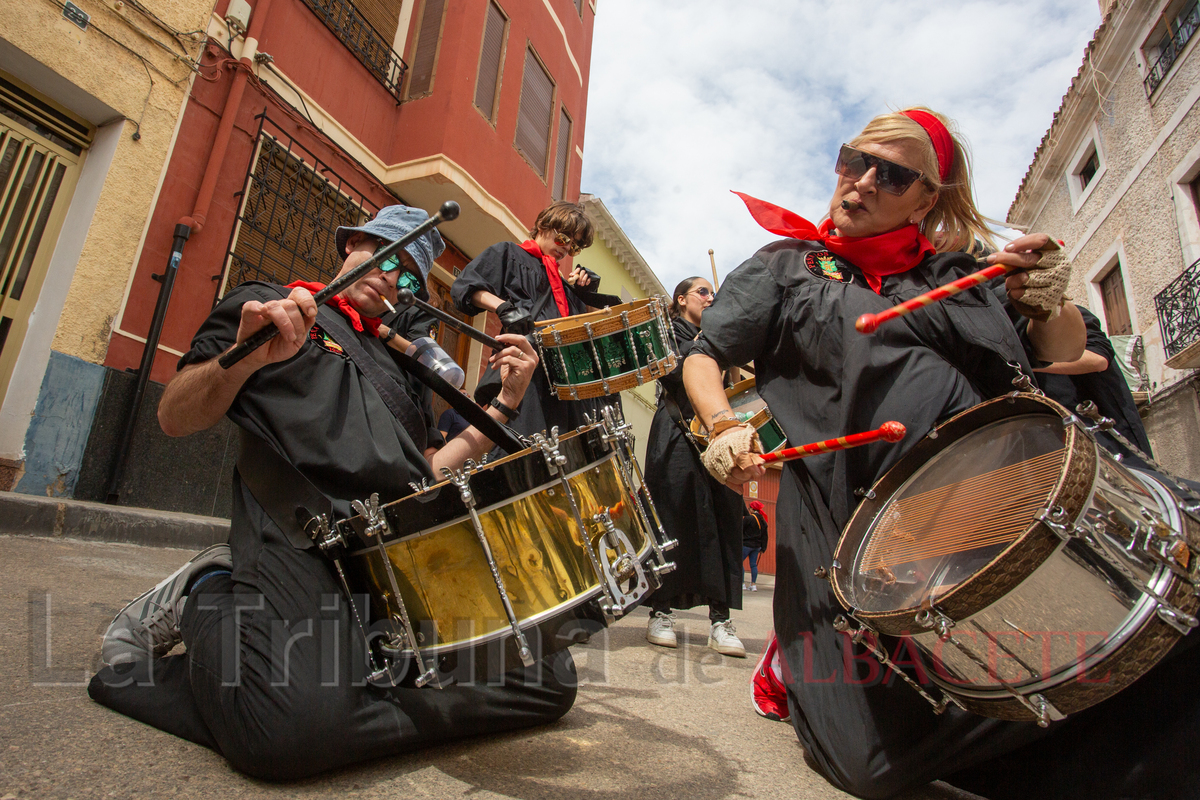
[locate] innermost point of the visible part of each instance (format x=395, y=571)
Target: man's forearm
x=1060, y=339
x=199, y=395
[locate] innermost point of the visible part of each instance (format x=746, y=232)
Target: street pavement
x=648, y=723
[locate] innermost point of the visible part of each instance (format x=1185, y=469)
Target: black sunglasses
x=891, y=177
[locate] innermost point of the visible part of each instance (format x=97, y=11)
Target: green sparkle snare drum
x=606, y=351
x=749, y=407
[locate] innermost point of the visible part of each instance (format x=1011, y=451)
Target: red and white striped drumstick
x=868, y=323
x=887, y=432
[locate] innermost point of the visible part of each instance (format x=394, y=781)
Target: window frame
x=1113, y=258
x=566, y=176
x=1089, y=146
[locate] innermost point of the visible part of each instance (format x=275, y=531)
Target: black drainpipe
x=182, y=232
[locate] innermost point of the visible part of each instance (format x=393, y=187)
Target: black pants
x=273, y=679
x=717, y=611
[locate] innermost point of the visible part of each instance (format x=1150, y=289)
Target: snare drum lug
x=867, y=493
x=376, y=519
x=1044, y=710
x=1176, y=618
x=932, y=619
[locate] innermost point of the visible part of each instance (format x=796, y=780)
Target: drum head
x=953, y=516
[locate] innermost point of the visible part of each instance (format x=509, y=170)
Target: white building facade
x=1117, y=177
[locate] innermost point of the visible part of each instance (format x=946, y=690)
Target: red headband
x=943, y=145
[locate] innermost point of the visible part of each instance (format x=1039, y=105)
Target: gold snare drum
x=513, y=559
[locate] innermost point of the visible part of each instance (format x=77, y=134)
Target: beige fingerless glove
x=721, y=456
x=1047, y=285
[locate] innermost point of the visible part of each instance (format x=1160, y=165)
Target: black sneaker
x=149, y=626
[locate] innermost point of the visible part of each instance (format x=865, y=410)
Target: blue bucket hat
x=393, y=222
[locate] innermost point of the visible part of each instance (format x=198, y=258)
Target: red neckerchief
x=556, y=283
x=886, y=254
x=357, y=321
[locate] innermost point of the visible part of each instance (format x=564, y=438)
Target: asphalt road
x=649, y=722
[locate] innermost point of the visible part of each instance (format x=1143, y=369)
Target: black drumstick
x=447, y=212
x=405, y=297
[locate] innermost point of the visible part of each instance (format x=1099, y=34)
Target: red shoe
x=769, y=697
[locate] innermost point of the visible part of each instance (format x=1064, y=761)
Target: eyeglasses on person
x=703, y=291
x=562, y=240
x=890, y=177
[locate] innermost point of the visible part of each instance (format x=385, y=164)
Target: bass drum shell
x=444, y=578
x=953, y=530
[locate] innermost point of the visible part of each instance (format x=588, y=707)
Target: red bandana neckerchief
x=556, y=282
x=886, y=254
x=359, y=322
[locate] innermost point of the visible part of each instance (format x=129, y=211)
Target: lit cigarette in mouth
x=850, y=205
x=391, y=307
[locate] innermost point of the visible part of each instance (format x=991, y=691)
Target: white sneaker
x=724, y=640
x=661, y=630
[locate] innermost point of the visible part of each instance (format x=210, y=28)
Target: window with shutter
x=1116, y=308
x=562, y=156
x=429, y=38
x=533, y=120
x=491, y=59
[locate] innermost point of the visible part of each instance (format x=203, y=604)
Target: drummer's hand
x=579, y=277
x=516, y=363
x=747, y=467
x=1023, y=252
x=293, y=316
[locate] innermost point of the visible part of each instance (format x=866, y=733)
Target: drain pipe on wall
x=184, y=229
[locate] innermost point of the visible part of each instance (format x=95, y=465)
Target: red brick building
x=304, y=115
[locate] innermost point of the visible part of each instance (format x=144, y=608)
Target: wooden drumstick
x=887, y=432
x=713, y=261
x=868, y=323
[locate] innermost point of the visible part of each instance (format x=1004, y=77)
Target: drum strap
x=676, y=415
x=279, y=487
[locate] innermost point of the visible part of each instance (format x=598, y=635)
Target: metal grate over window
x=367, y=44
x=1178, y=307
x=292, y=203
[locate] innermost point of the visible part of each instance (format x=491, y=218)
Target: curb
x=56, y=517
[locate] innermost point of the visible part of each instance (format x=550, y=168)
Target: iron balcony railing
x=1189, y=20
x=361, y=39
x=1178, y=307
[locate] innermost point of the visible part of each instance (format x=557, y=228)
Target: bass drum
x=535, y=551
x=1038, y=574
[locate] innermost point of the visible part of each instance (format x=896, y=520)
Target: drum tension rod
x=859, y=636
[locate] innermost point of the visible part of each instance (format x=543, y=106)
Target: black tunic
x=514, y=275
x=696, y=510
x=793, y=314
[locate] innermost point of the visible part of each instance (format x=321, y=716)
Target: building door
x=41, y=152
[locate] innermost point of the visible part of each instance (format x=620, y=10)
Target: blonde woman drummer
x=900, y=219
x=704, y=516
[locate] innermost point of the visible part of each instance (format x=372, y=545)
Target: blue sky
x=691, y=98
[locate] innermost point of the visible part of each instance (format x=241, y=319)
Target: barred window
x=285, y=231
x=491, y=60
x=429, y=37
x=533, y=120
x=562, y=157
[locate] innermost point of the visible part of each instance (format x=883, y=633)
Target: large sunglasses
x=562, y=240
x=891, y=177
x=703, y=291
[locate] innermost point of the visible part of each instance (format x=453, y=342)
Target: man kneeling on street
x=273, y=677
